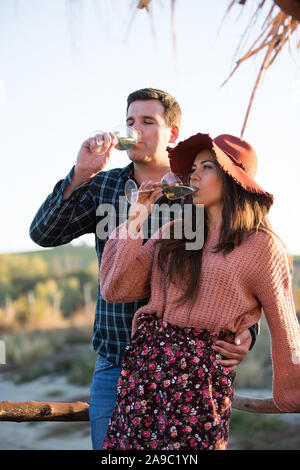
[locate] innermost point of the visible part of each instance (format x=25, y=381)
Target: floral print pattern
x=171, y=393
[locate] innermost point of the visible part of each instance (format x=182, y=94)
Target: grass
x=54, y=393
x=250, y=423
x=77, y=366
x=250, y=431
x=37, y=353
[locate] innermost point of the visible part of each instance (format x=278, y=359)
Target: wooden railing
x=79, y=411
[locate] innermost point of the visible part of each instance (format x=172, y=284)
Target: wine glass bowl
x=171, y=179
x=126, y=136
x=99, y=142
x=123, y=138
x=131, y=191
x=172, y=187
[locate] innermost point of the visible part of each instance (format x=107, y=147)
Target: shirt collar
x=127, y=171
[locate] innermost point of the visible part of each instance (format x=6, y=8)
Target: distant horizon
x=77, y=244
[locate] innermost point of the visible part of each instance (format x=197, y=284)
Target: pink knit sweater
x=232, y=291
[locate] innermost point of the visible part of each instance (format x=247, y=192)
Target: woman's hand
x=140, y=211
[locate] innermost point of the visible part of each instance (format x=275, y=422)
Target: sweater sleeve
x=273, y=288
x=126, y=265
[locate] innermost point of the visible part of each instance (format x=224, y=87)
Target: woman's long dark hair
x=243, y=213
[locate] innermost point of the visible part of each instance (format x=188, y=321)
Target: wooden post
x=79, y=411
x=43, y=411
x=255, y=405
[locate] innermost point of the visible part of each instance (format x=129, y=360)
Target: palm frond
x=277, y=30
x=143, y=4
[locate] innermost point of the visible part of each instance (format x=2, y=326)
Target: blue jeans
x=103, y=399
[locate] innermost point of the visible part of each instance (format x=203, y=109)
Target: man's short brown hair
x=172, y=109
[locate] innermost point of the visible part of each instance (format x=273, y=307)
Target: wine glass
x=172, y=187
x=123, y=138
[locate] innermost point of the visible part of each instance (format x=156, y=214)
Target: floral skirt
x=171, y=393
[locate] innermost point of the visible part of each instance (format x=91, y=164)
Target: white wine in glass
x=124, y=137
x=172, y=187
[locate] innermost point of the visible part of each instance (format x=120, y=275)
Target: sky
x=67, y=66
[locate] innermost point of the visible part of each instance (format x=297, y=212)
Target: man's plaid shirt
x=58, y=222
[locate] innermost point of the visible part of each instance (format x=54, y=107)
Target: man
x=71, y=211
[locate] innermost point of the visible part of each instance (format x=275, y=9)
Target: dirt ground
x=42, y=435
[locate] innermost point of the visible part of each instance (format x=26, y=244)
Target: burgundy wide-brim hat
x=235, y=156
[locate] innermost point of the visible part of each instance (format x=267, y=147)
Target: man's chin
x=137, y=156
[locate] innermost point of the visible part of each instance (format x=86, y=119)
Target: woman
x=172, y=393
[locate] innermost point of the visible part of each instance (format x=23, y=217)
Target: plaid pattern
x=58, y=222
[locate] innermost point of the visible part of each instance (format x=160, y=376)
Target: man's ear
x=174, y=134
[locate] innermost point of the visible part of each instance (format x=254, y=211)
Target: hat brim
x=183, y=155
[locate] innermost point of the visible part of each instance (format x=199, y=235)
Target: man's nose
x=138, y=126
x=139, y=130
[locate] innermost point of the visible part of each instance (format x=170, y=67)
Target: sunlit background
x=66, y=68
